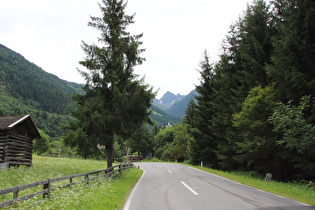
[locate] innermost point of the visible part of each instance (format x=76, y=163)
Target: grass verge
x=47, y=167
x=296, y=191
x=102, y=193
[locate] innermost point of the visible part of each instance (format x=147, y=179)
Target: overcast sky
x=48, y=33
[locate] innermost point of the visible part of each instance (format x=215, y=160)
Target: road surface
x=174, y=186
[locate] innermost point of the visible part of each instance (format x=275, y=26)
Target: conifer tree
x=115, y=102
x=246, y=51
x=293, y=60
x=203, y=146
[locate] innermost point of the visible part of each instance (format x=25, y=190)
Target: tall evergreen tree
x=115, y=102
x=293, y=60
x=247, y=49
x=203, y=146
x=293, y=69
x=190, y=120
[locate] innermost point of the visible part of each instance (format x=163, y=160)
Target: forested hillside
x=27, y=89
x=174, y=105
x=179, y=107
x=162, y=118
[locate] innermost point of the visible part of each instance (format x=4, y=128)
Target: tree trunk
x=109, y=153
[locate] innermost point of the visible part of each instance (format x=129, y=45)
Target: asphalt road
x=174, y=186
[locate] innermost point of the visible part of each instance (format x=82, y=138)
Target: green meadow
x=102, y=193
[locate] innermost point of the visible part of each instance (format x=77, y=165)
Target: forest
x=255, y=109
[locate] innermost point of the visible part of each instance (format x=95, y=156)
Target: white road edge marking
x=169, y=171
x=189, y=188
x=127, y=204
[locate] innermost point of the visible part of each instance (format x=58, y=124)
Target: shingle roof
x=5, y=122
x=10, y=122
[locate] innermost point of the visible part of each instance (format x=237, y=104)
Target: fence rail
x=47, y=189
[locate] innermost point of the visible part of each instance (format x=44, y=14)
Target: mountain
x=179, y=107
x=169, y=97
x=27, y=89
x=174, y=105
x=167, y=100
x=161, y=117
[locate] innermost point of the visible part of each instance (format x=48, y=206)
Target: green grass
x=47, y=167
x=101, y=193
x=105, y=193
x=296, y=191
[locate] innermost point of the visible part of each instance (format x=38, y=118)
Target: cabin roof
x=9, y=122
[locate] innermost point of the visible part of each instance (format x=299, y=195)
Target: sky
x=176, y=33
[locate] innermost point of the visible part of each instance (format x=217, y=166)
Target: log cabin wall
x=2, y=145
x=18, y=149
x=16, y=141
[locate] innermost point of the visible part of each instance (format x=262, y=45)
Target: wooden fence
x=47, y=188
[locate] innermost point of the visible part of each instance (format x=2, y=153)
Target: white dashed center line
x=193, y=191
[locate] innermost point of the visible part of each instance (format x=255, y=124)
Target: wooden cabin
x=16, y=140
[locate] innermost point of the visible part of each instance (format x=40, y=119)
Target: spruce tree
x=115, y=102
x=247, y=49
x=203, y=145
x=293, y=68
x=293, y=60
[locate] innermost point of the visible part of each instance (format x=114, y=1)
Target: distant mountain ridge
x=174, y=105
x=179, y=107
x=169, y=97
x=167, y=100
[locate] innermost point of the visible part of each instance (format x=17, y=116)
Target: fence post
x=87, y=178
x=46, y=186
x=119, y=168
x=16, y=194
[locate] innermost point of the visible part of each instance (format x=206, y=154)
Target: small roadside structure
x=134, y=158
x=16, y=140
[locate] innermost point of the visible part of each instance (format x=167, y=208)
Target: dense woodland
x=255, y=109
